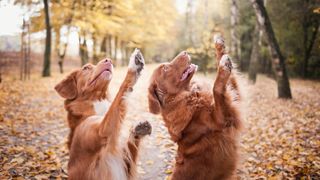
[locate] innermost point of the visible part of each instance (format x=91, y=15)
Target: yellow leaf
x=168, y=171
x=18, y=160
x=149, y=162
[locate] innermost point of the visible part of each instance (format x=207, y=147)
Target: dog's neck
x=171, y=100
x=80, y=110
x=101, y=107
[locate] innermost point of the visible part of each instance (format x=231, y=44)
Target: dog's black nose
x=107, y=61
x=184, y=53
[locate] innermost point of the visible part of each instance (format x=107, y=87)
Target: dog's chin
x=106, y=75
x=103, y=81
x=99, y=84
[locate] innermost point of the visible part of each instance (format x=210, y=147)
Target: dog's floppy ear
x=153, y=99
x=67, y=88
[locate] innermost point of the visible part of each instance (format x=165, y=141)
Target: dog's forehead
x=88, y=65
x=161, y=67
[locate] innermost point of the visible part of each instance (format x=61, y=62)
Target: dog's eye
x=86, y=68
x=165, y=68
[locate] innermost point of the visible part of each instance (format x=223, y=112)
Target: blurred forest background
x=275, y=45
x=86, y=31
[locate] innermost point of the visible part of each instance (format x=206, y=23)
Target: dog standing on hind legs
x=204, y=124
x=95, y=122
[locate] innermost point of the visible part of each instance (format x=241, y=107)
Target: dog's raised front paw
x=226, y=63
x=136, y=62
x=218, y=39
x=225, y=67
x=142, y=129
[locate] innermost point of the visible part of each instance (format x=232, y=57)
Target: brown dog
x=204, y=124
x=95, y=123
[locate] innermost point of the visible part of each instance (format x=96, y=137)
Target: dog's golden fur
x=95, y=152
x=204, y=124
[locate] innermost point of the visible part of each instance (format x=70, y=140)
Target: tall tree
x=310, y=26
x=235, y=39
x=298, y=35
x=60, y=46
x=278, y=61
x=254, y=58
x=189, y=31
x=115, y=54
x=105, y=20
x=83, y=49
x=47, y=53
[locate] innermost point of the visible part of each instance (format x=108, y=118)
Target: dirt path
x=281, y=138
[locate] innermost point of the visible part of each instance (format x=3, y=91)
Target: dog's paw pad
x=218, y=39
x=226, y=63
x=136, y=62
x=142, y=129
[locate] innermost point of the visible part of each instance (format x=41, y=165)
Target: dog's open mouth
x=106, y=70
x=189, y=71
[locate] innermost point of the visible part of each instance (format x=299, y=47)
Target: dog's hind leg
x=110, y=127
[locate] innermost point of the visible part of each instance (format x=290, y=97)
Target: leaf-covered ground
x=281, y=138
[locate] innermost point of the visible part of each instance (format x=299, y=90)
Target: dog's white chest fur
x=109, y=167
x=117, y=167
x=101, y=107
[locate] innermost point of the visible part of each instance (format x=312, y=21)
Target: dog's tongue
x=190, y=69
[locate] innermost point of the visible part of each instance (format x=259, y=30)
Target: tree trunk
x=189, y=31
x=65, y=45
x=123, y=53
x=128, y=50
x=22, y=51
x=109, y=46
x=115, y=51
x=63, y=54
x=47, y=53
x=57, y=48
x=103, y=46
x=28, y=52
x=94, y=49
x=85, y=57
x=255, y=54
x=235, y=39
x=308, y=44
x=278, y=61
x=83, y=50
